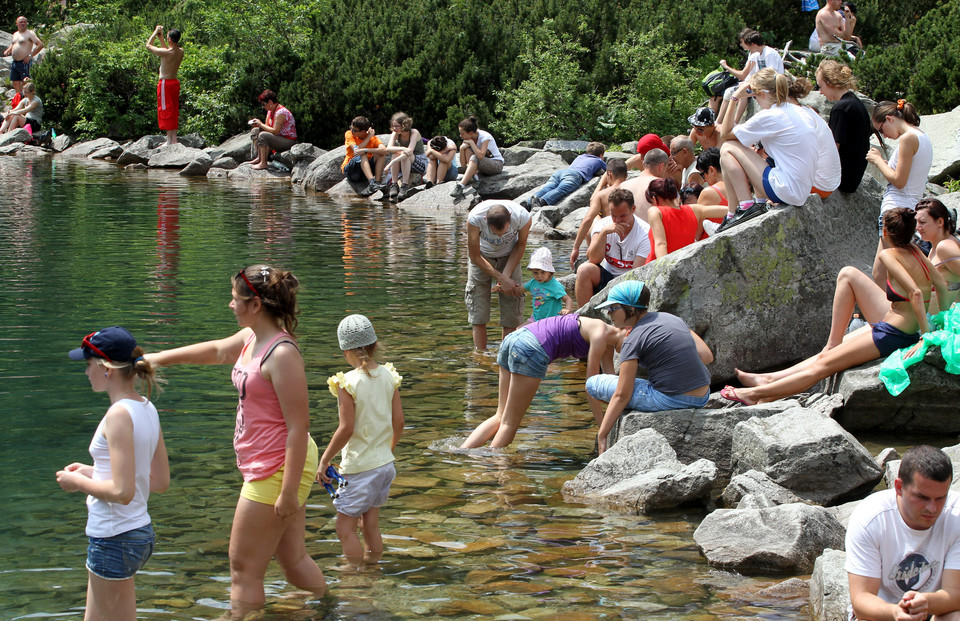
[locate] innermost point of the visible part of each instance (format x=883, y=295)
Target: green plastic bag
x=945, y=334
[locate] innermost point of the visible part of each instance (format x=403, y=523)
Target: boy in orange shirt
x=362, y=146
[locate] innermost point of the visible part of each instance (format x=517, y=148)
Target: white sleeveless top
x=107, y=519
x=912, y=192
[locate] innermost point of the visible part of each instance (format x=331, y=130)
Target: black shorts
x=605, y=278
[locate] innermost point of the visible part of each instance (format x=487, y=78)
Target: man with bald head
x=24, y=47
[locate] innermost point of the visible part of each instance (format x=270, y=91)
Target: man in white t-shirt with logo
x=618, y=243
x=496, y=239
x=903, y=545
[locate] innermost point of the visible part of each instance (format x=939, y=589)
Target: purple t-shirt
x=588, y=166
x=560, y=336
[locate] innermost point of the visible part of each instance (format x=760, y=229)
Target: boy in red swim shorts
x=168, y=87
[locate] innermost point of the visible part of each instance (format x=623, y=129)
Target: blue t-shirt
x=547, y=297
x=588, y=166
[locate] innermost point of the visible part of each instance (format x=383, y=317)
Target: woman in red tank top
x=673, y=226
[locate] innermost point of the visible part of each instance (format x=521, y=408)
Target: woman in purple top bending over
x=523, y=359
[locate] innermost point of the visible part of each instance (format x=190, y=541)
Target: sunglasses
x=86, y=343
x=612, y=308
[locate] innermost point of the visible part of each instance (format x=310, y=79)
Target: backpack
x=718, y=81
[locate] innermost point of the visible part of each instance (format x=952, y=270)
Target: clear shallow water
x=85, y=245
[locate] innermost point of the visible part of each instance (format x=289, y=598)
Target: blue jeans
x=121, y=556
x=562, y=184
x=645, y=397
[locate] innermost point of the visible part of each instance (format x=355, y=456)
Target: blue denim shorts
x=522, y=353
x=121, y=556
x=354, y=171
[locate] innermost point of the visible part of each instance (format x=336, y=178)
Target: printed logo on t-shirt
x=913, y=572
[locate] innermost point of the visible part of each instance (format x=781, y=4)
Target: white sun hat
x=542, y=260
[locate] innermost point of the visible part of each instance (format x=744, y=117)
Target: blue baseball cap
x=113, y=344
x=627, y=293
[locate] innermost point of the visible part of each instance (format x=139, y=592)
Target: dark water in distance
x=467, y=534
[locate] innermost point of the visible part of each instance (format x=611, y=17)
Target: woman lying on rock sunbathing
x=896, y=318
x=523, y=359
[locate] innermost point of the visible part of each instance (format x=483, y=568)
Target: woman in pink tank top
x=275, y=453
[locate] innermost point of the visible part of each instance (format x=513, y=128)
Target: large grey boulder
x=246, y=172
x=513, y=181
x=238, y=148
x=829, y=588
x=868, y=405
x=516, y=155
x=192, y=140
x=786, y=538
x=640, y=474
x=705, y=433
x=809, y=454
x=140, y=151
x=198, y=167
x=844, y=511
x=324, y=172
x=756, y=490
x=227, y=163
x=438, y=200
x=303, y=152
x=19, y=135
x=62, y=143
x=567, y=149
x=83, y=149
x=944, y=132
x=762, y=291
x=175, y=156
x=552, y=215
x=110, y=152
x=348, y=189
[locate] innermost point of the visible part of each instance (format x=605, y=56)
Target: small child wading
x=371, y=421
x=549, y=297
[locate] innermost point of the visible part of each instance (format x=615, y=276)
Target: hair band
x=900, y=103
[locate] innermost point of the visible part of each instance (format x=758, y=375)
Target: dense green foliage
x=598, y=69
x=924, y=67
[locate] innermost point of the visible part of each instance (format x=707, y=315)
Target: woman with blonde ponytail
x=275, y=453
x=787, y=174
x=129, y=462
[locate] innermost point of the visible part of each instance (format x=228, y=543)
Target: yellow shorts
x=266, y=491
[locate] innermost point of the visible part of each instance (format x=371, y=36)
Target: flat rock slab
x=807, y=453
x=19, y=135
x=756, y=490
x=641, y=474
x=175, y=156
x=245, y=172
x=786, y=538
x=869, y=406
x=84, y=149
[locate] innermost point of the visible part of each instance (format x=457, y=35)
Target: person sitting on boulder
x=703, y=128
x=407, y=155
x=903, y=544
x=441, y=153
x=363, y=146
x=897, y=321
x=646, y=144
x=28, y=112
x=761, y=56
x=478, y=154
x=787, y=175
x=682, y=159
x=849, y=122
x=618, y=243
x=673, y=355
x=656, y=164
x=277, y=133
x=714, y=192
x=938, y=227
x=826, y=176
x=672, y=225
x=566, y=181
x=599, y=203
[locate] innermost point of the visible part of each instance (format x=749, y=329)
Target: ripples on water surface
x=466, y=533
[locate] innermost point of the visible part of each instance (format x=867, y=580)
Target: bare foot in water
x=752, y=379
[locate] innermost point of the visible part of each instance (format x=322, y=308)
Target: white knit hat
x=355, y=331
x=542, y=260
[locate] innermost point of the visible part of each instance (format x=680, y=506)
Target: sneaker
x=727, y=221
x=428, y=185
x=405, y=192
x=372, y=186
x=525, y=205
x=393, y=192
x=750, y=212
x=457, y=191
x=538, y=202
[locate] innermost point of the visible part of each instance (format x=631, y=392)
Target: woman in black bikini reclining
x=896, y=322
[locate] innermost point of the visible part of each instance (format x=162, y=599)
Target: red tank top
x=723, y=201
x=680, y=226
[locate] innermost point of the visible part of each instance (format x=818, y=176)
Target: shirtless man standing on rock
x=24, y=47
x=168, y=87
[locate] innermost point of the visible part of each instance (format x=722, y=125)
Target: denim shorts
x=354, y=171
x=521, y=352
x=365, y=490
x=645, y=397
x=121, y=556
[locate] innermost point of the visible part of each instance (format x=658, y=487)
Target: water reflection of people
x=275, y=453
x=523, y=359
x=168, y=243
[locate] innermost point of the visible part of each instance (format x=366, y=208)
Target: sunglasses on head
x=86, y=343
